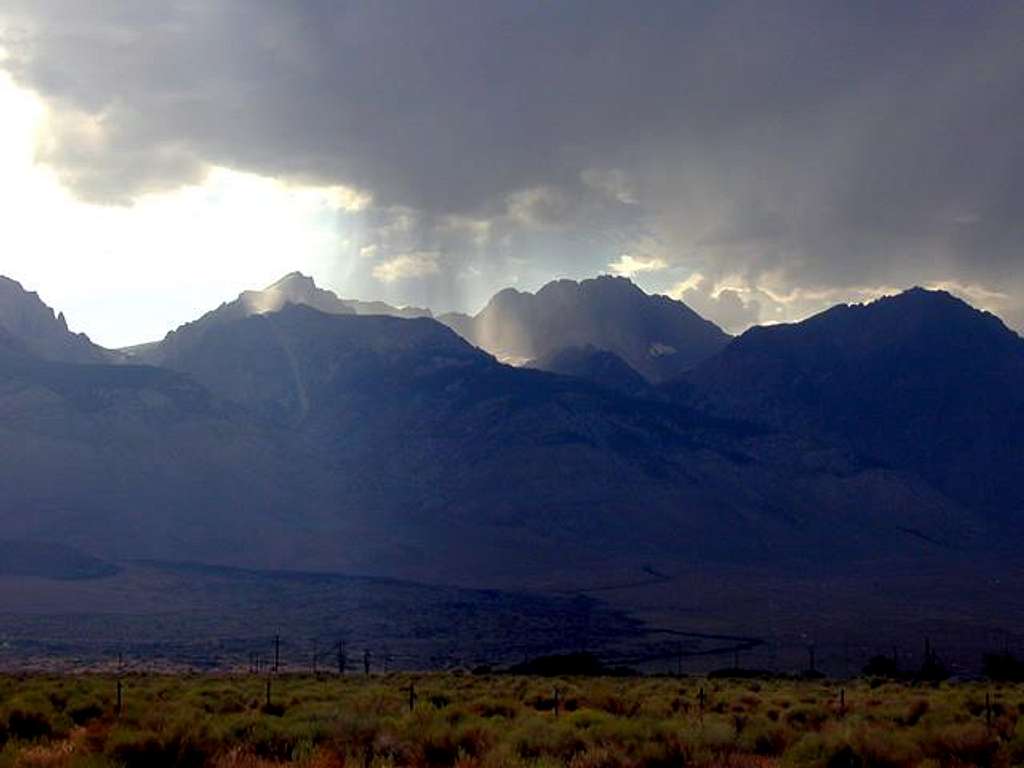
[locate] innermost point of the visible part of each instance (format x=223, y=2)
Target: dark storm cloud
x=814, y=146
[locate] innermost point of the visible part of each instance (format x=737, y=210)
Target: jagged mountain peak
x=657, y=336
x=299, y=288
x=293, y=288
x=41, y=331
x=294, y=278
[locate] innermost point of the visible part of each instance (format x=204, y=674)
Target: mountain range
x=288, y=429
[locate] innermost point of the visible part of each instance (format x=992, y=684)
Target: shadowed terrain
x=729, y=503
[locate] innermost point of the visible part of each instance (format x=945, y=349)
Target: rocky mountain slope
x=133, y=461
x=657, y=336
x=26, y=318
x=604, y=368
x=920, y=381
x=383, y=308
x=464, y=455
x=293, y=288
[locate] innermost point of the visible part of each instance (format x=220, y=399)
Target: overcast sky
x=760, y=160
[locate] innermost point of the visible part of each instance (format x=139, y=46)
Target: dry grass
x=498, y=721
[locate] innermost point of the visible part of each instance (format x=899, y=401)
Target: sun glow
x=182, y=251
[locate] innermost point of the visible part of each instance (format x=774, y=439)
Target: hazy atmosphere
x=511, y=384
x=760, y=161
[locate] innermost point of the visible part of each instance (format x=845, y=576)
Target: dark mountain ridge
x=920, y=381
